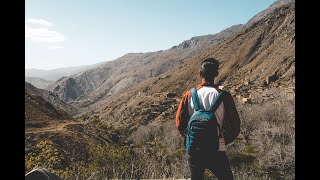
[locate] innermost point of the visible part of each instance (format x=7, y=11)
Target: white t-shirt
x=206, y=94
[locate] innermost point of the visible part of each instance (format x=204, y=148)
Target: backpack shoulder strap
x=216, y=102
x=195, y=101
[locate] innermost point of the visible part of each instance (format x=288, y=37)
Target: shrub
x=47, y=156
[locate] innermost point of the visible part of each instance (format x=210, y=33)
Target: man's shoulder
x=186, y=94
x=225, y=92
x=227, y=97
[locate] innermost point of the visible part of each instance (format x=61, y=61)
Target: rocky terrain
x=49, y=97
x=127, y=71
x=256, y=59
x=39, y=113
x=47, y=126
x=132, y=101
x=257, y=63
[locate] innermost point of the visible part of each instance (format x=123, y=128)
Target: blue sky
x=64, y=33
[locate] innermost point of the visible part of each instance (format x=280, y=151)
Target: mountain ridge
x=132, y=68
x=55, y=74
x=38, y=82
x=268, y=53
x=126, y=107
x=50, y=98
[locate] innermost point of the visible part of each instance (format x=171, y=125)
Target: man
x=226, y=115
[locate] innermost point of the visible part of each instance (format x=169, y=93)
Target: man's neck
x=208, y=83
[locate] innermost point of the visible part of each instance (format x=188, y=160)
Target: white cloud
x=43, y=35
x=55, y=47
x=39, y=21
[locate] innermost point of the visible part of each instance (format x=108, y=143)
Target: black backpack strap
x=217, y=102
x=195, y=101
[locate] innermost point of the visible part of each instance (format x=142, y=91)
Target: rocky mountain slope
x=72, y=140
x=40, y=113
x=50, y=98
x=48, y=128
x=131, y=69
x=131, y=102
x=138, y=89
x=267, y=11
x=258, y=61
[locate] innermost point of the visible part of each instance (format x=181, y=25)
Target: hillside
x=50, y=98
x=62, y=139
x=40, y=113
x=89, y=86
x=124, y=121
x=264, y=50
x=254, y=57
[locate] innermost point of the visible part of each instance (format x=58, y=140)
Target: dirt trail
x=52, y=128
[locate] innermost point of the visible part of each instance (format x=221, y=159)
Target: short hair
x=209, y=68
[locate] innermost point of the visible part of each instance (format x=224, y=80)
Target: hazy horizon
x=65, y=67
x=77, y=33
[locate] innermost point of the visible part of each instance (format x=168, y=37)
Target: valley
x=117, y=119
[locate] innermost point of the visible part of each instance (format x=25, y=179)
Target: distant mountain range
x=259, y=49
x=55, y=74
x=38, y=82
x=120, y=92
x=133, y=68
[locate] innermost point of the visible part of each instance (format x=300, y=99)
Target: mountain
x=38, y=82
x=54, y=138
x=48, y=128
x=267, y=11
x=55, y=74
x=50, y=98
x=264, y=50
x=131, y=69
x=126, y=107
x=39, y=112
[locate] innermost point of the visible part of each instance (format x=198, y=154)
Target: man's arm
x=231, y=123
x=182, y=116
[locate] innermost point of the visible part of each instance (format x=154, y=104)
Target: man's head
x=209, y=69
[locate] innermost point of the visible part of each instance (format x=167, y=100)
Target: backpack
x=203, y=130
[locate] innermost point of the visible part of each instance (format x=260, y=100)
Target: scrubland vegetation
x=265, y=149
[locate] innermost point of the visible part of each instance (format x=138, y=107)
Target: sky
x=65, y=33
